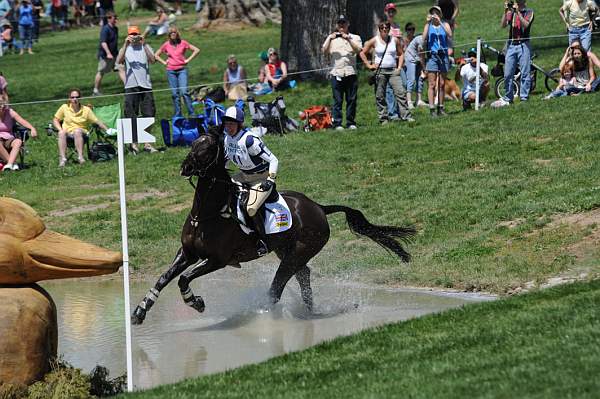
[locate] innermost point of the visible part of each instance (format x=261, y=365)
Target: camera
x=510, y=4
x=136, y=39
x=338, y=35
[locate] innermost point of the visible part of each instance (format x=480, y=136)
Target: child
x=8, y=39
x=567, y=83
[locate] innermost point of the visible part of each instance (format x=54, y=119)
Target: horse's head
x=203, y=157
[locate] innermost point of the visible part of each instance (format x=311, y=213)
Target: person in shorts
x=139, y=101
x=107, y=51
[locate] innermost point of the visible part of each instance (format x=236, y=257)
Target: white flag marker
x=129, y=130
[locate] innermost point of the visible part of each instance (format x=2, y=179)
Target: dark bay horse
x=211, y=240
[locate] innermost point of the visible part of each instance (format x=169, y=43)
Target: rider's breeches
x=256, y=197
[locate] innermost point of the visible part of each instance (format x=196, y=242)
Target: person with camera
x=468, y=73
x=137, y=56
x=436, y=37
x=518, y=18
x=343, y=46
x=576, y=16
x=386, y=64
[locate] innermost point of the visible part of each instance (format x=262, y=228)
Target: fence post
x=478, y=71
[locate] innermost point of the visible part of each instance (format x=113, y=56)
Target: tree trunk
x=232, y=13
x=306, y=23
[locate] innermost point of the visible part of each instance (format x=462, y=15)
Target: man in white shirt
x=468, y=74
x=343, y=47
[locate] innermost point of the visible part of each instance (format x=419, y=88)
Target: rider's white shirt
x=249, y=153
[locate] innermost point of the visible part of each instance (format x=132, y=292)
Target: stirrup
x=262, y=249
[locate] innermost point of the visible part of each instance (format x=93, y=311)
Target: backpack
x=316, y=117
x=271, y=116
x=101, y=151
x=184, y=130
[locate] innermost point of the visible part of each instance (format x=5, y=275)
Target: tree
x=306, y=23
x=229, y=12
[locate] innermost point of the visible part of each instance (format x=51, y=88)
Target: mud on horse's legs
x=179, y=264
x=196, y=301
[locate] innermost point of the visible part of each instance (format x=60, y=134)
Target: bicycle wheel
x=552, y=79
x=500, y=90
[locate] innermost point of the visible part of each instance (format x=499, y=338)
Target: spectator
x=105, y=7
x=390, y=12
x=158, y=25
x=89, y=9
x=234, y=80
x=9, y=42
x=276, y=71
x=583, y=68
x=435, y=43
x=343, y=46
x=25, y=26
x=107, y=51
x=9, y=144
x=38, y=9
x=56, y=14
x=5, y=9
x=468, y=73
x=576, y=16
x=3, y=88
x=73, y=120
x=177, y=73
x=450, y=12
x=262, y=86
x=567, y=84
x=518, y=18
x=593, y=59
x=139, y=101
x=413, y=66
x=389, y=59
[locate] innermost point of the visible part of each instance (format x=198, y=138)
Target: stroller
x=271, y=116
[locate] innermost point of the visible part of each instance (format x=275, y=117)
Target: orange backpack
x=316, y=117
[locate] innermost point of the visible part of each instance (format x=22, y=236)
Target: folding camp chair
x=21, y=133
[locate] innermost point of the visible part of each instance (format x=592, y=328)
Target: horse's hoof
x=138, y=316
x=198, y=304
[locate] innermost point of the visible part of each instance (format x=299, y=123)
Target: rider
x=258, y=167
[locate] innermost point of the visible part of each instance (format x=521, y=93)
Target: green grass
x=457, y=179
x=542, y=345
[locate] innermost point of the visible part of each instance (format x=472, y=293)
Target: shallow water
x=237, y=328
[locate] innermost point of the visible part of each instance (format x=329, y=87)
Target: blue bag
x=184, y=130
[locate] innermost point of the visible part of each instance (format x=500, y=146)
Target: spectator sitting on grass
x=567, y=84
x=583, y=69
x=158, y=25
x=3, y=88
x=9, y=144
x=262, y=86
x=74, y=120
x=468, y=73
x=592, y=58
x=9, y=43
x=234, y=80
x=276, y=71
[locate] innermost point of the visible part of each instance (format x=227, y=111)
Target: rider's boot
x=259, y=227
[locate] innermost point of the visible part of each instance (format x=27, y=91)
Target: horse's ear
x=216, y=131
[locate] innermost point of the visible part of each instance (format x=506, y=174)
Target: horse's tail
x=386, y=236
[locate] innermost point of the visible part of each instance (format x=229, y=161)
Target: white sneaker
x=339, y=128
x=62, y=162
x=352, y=127
x=422, y=103
x=8, y=167
x=411, y=105
x=499, y=103
x=15, y=167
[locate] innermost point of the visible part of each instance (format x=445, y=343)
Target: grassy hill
x=492, y=193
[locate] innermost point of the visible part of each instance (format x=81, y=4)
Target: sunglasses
x=75, y=97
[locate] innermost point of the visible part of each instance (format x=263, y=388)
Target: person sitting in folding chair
x=76, y=121
x=9, y=144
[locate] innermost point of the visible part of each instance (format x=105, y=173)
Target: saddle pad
x=278, y=217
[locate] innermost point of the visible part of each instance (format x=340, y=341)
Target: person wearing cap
x=177, y=73
x=26, y=26
x=343, y=46
x=107, y=51
x=137, y=56
x=258, y=167
x=436, y=36
x=519, y=19
x=576, y=16
x=276, y=71
x=234, y=80
x=413, y=65
x=468, y=74
x=387, y=64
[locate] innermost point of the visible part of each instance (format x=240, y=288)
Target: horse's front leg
x=180, y=263
x=207, y=266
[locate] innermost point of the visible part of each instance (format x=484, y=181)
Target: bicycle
x=551, y=79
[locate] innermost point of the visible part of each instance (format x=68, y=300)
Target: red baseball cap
x=389, y=6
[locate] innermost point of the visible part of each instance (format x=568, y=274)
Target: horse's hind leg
x=180, y=263
x=196, y=301
x=303, y=278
